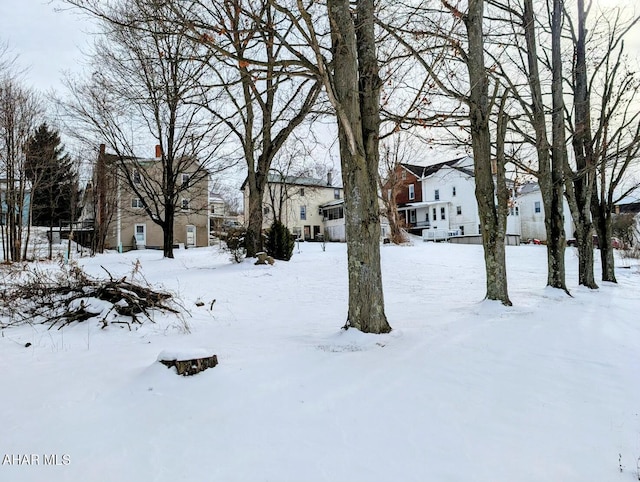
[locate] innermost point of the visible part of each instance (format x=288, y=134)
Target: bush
x=235, y=242
x=280, y=242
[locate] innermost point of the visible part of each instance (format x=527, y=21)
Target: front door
x=140, y=235
x=307, y=233
x=191, y=236
x=316, y=232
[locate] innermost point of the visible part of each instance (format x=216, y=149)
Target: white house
x=448, y=205
x=532, y=213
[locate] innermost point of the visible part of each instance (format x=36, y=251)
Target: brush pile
x=66, y=295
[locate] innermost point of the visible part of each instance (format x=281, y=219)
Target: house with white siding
x=447, y=207
x=531, y=210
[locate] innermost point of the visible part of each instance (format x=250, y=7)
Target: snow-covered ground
x=461, y=389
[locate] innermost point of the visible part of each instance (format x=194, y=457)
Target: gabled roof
x=413, y=169
x=527, y=188
x=462, y=164
x=277, y=178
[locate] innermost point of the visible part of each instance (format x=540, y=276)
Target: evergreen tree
x=280, y=242
x=54, y=181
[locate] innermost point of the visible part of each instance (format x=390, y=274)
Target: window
x=265, y=210
x=389, y=194
x=404, y=175
x=537, y=206
x=301, y=191
x=435, y=215
x=334, y=213
x=453, y=191
x=412, y=216
x=511, y=211
x=185, y=180
x=137, y=179
x=137, y=203
x=185, y=204
x=459, y=210
x=303, y=212
x=517, y=211
x=412, y=192
x=442, y=214
x=336, y=193
x=436, y=195
x=461, y=229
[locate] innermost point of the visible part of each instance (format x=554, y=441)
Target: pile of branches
x=68, y=295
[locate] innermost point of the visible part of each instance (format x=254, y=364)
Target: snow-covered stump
x=189, y=362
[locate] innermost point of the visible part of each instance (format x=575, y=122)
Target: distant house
x=532, y=213
x=438, y=201
x=303, y=204
x=110, y=202
x=22, y=207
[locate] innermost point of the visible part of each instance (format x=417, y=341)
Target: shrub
x=235, y=242
x=280, y=242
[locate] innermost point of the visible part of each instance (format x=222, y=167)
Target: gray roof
x=277, y=178
x=462, y=164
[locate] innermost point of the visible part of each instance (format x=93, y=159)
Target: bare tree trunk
x=257, y=186
x=356, y=87
x=479, y=111
x=550, y=165
x=604, y=229
x=583, y=181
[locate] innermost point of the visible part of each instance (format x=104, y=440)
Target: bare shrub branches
x=67, y=295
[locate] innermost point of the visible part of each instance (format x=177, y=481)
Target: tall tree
x=355, y=94
x=20, y=109
x=146, y=80
x=263, y=96
x=53, y=177
x=580, y=183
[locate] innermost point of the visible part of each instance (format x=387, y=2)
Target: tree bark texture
x=550, y=164
x=479, y=111
x=584, y=177
x=356, y=85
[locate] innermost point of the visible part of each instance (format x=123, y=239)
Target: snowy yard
x=460, y=390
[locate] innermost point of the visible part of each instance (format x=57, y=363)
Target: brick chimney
x=158, y=151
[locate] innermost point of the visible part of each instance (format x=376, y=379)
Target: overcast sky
x=50, y=42
x=47, y=42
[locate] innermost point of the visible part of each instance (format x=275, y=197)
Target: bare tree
x=20, y=111
x=614, y=88
x=147, y=83
x=264, y=97
x=396, y=151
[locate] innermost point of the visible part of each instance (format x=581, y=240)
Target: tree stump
x=188, y=364
x=264, y=258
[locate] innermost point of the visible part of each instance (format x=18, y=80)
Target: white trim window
x=137, y=203
x=536, y=207
x=412, y=192
x=303, y=213
x=436, y=194
x=185, y=204
x=185, y=180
